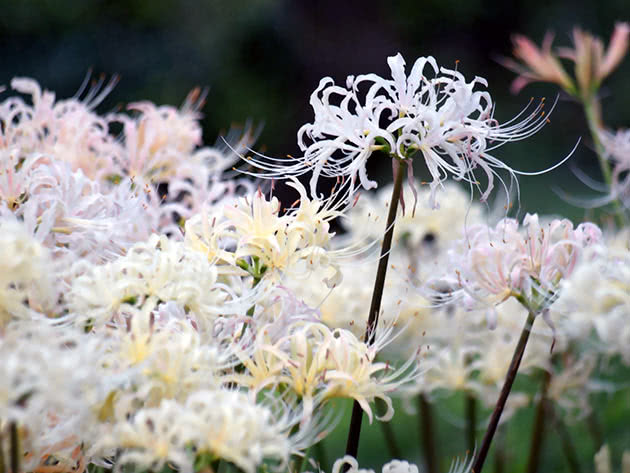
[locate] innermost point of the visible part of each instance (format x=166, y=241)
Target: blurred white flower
x=151, y=273
x=26, y=277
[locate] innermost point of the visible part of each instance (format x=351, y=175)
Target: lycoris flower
x=493, y=264
x=440, y=118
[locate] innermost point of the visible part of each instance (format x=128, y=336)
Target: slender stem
x=595, y=429
x=592, y=110
x=539, y=424
x=1, y=451
x=593, y=114
x=428, y=439
x=252, y=309
x=388, y=432
x=390, y=440
x=354, y=432
x=471, y=415
x=505, y=391
x=15, y=447
x=567, y=443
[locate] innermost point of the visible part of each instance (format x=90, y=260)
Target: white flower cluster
x=155, y=315
x=126, y=342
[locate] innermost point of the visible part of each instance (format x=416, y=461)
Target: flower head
x=432, y=114
x=493, y=264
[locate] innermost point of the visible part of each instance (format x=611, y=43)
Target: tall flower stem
x=427, y=434
x=539, y=423
x=592, y=111
x=1, y=452
x=352, y=446
x=505, y=391
x=595, y=429
x=15, y=447
x=471, y=416
x=388, y=432
x=567, y=444
x=499, y=452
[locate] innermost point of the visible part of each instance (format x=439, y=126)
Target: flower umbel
x=440, y=118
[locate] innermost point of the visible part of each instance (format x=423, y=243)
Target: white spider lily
x=441, y=118
x=319, y=363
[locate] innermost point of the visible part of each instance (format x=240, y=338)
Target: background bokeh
x=261, y=59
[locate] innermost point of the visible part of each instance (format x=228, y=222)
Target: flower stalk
x=388, y=432
x=471, y=416
x=15, y=447
x=354, y=432
x=595, y=430
x=427, y=434
x=539, y=424
x=592, y=111
x=567, y=444
x=499, y=452
x=505, y=391
x=1, y=453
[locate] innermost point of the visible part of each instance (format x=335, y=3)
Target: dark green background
x=262, y=58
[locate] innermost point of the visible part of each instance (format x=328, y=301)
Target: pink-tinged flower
x=157, y=139
x=528, y=263
x=592, y=62
x=66, y=130
x=432, y=114
x=539, y=65
x=75, y=217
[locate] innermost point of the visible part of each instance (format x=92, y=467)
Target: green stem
x=595, y=429
x=388, y=431
x=390, y=439
x=471, y=415
x=354, y=432
x=567, y=443
x=505, y=391
x=252, y=309
x=539, y=424
x=15, y=447
x=427, y=434
x=592, y=111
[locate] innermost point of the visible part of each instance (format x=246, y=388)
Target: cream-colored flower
x=26, y=274
x=252, y=234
